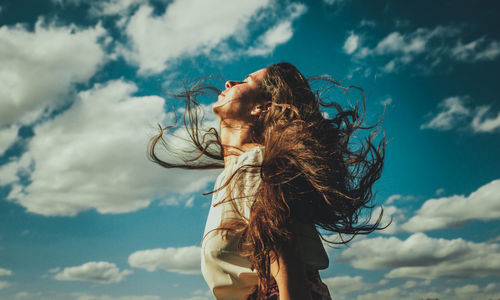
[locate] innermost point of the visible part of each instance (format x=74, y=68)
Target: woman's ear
x=261, y=108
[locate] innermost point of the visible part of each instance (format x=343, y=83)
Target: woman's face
x=240, y=98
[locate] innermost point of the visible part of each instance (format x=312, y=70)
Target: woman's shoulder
x=253, y=156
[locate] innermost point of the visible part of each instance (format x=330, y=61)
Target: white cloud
x=11, y=171
x=40, y=66
x=452, y=112
x=341, y=285
x=5, y=272
x=7, y=137
x=69, y=2
x=279, y=34
x=401, y=293
x=431, y=46
x=21, y=295
x=476, y=50
x=351, y=43
x=184, y=260
x=334, y=2
x=99, y=272
x=387, y=101
x=391, y=218
x=482, y=204
x=197, y=295
x=80, y=296
x=420, y=256
x=114, y=7
x=367, y=23
x=4, y=284
x=482, y=124
x=390, y=293
x=189, y=202
x=399, y=198
x=468, y=291
x=93, y=156
x=157, y=41
x=275, y=36
x=440, y=191
x=392, y=198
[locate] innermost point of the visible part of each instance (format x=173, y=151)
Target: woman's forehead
x=258, y=75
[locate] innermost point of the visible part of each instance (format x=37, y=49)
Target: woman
x=288, y=170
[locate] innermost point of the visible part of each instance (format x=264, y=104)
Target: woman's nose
x=230, y=83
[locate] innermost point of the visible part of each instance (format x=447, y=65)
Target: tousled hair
x=310, y=171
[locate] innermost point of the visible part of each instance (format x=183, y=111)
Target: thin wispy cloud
x=279, y=34
x=454, y=113
x=483, y=123
x=423, y=48
x=351, y=43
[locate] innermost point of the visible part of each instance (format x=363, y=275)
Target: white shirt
x=228, y=274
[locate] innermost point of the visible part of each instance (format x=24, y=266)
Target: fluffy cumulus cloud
x=433, y=46
x=218, y=29
x=468, y=291
x=5, y=272
x=93, y=156
x=40, y=66
x=454, y=113
x=340, y=286
x=391, y=218
x=482, y=204
x=184, y=260
x=156, y=41
x=420, y=256
x=4, y=284
x=99, y=272
x=401, y=293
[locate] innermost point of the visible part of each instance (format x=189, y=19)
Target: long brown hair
x=311, y=172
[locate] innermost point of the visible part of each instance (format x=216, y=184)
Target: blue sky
x=84, y=214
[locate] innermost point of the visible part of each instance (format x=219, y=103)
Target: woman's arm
x=289, y=271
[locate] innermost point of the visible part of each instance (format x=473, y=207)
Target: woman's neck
x=236, y=139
